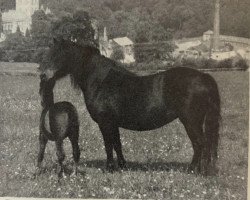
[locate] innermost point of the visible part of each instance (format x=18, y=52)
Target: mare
x=58, y=121
x=116, y=97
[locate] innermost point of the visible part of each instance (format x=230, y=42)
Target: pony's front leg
x=108, y=137
x=118, y=148
x=42, y=145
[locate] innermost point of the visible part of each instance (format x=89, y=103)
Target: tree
x=27, y=33
x=7, y=4
x=117, y=54
x=75, y=28
x=40, y=28
x=18, y=30
x=15, y=47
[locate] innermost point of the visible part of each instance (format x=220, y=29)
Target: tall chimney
x=105, y=36
x=216, y=37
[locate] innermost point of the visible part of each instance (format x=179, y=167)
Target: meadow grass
x=157, y=160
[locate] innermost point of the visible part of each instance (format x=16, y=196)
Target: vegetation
x=152, y=20
x=147, y=23
x=117, y=54
x=202, y=63
x=155, y=171
x=34, y=45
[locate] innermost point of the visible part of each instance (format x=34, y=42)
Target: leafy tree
x=76, y=28
x=14, y=41
x=15, y=47
x=40, y=28
x=27, y=33
x=117, y=54
x=7, y=4
x=18, y=31
x=186, y=18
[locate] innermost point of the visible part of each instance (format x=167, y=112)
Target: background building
x=21, y=16
x=107, y=47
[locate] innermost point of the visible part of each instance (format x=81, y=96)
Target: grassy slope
x=18, y=68
x=157, y=158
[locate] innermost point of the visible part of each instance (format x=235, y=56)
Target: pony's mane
x=86, y=46
x=118, y=67
x=95, y=51
x=82, y=53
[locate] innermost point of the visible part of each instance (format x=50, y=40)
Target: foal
x=58, y=121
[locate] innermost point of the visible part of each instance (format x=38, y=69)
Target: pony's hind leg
x=61, y=156
x=76, y=150
x=193, y=123
x=197, y=138
x=42, y=145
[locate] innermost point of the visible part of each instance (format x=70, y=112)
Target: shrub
x=117, y=54
x=40, y=55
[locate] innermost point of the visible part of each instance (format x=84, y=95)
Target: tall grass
x=157, y=160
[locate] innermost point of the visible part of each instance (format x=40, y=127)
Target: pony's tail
x=43, y=129
x=212, y=120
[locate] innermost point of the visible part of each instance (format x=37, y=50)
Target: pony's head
x=68, y=57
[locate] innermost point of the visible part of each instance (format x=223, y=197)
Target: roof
x=209, y=32
x=123, y=41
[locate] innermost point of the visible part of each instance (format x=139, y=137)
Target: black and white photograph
x=124, y=99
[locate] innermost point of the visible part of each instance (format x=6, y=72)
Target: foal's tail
x=212, y=119
x=43, y=129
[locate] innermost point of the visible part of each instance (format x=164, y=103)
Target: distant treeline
x=156, y=20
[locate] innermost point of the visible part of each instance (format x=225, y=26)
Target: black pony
x=58, y=121
x=117, y=98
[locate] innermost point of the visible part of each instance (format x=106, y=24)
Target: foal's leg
x=118, y=148
x=75, y=147
x=42, y=145
x=61, y=155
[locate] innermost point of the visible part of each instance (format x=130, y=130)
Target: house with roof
x=126, y=45
x=107, y=47
x=207, y=36
x=21, y=16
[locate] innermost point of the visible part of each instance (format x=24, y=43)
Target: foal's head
x=46, y=90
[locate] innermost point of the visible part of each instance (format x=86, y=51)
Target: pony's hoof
x=37, y=172
x=193, y=169
x=123, y=166
x=110, y=168
x=61, y=175
x=209, y=172
x=74, y=174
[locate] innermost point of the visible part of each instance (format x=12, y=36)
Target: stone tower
x=27, y=6
x=216, y=38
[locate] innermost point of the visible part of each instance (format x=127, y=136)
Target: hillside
x=150, y=19
x=155, y=20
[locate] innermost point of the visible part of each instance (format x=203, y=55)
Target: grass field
x=157, y=159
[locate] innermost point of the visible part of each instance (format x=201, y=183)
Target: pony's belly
x=148, y=121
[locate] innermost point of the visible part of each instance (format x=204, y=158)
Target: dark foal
x=58, y=121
